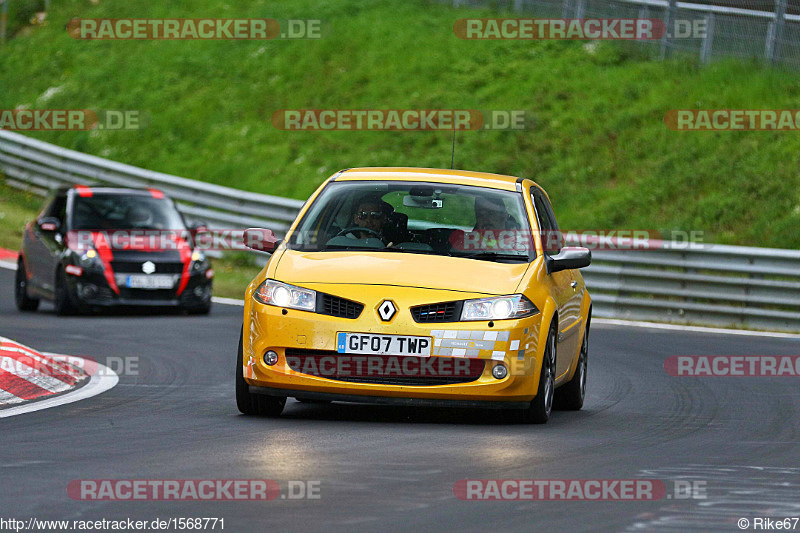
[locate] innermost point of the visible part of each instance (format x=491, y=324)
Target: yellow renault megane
x=413, y=286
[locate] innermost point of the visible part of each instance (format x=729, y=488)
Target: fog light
x=270, y=358
x=88, y=290
x=500, y=371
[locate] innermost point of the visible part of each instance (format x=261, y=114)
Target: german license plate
x=150, y=282
x=367, y=343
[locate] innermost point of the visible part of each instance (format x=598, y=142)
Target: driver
x=491, y=214
x=371, y=214
x=140, y=216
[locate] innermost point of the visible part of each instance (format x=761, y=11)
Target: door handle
x=573, y=284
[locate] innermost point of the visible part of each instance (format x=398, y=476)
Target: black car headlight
x=90, y=260
x=199, y=261
x=279, y=294
x=498, y=308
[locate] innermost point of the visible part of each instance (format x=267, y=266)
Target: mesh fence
x=768, y=30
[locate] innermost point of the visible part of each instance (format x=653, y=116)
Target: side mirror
x=568, y=259
x=261, y=240
x=198, y=226
x=50, y=224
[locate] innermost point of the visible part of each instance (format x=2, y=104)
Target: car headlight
x=498, y=308
x=199, y=261
x=279, y=294
x=90, y=260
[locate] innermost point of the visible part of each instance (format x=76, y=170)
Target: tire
x=254, y=404
x=570, y=397
x=64, y=304
x=21, y=298
x=538, y=412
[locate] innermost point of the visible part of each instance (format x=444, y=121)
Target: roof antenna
x=453, y=155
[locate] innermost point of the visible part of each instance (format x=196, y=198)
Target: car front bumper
x=513, y=343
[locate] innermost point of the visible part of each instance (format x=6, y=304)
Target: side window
x=58, y=209
x=48, y=204
x=550, y=234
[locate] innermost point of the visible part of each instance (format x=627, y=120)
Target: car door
x=35, y=249
x=564, y=285
x=53, y=241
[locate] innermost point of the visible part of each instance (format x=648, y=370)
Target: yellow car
x=413, y=286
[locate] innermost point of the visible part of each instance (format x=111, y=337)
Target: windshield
x=414, y=217
x=125, y=212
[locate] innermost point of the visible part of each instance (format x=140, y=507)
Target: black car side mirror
x=568, y=259
x=198, y=226
x=51, y=224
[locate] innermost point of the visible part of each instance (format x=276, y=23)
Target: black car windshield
x=416, y=217
x=125, y=212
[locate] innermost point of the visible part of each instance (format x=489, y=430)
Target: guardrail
x=39, y=164
x=728, y=286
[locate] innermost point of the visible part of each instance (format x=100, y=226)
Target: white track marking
x=32, y=375
x=102, y=380
x=227, y=301
x=698, y=329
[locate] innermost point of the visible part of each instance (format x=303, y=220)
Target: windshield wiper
x=493, y=256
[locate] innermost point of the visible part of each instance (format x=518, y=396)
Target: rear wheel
x=570, y=397
x=254, y=404
x=538, y=412
x=63, y=300
x=23, y=301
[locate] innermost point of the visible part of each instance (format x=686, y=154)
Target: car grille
x=339, y=307
x=406, y=370
x=135, y=267
x=146, y=294
x=441, y=312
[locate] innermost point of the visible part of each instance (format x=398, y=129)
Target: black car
x=94, y=247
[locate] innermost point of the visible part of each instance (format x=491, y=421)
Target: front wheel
x=21, y=298
x=538, y=412
x=254, y=404
x=570, y=397
x=64, y=304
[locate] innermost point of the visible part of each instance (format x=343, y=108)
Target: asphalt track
x=392, y=469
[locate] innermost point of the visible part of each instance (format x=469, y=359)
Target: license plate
x=149, y=282
x=367, y=343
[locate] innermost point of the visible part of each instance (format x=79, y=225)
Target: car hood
x=400, y=269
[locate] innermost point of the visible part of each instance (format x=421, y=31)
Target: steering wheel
x=359, y=228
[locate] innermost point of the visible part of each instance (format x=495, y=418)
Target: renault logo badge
x=387, y=310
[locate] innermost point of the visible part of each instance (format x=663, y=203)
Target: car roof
x=109, y=190
x=435, y=175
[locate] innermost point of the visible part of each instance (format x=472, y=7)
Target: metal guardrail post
x=708, y=40
x=671, y=14
x=775, y=35
x=580, y=9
